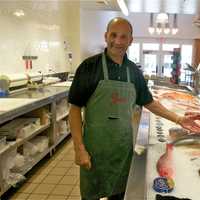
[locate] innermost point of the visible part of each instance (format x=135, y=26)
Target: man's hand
x=83, y=159
x=190, y=122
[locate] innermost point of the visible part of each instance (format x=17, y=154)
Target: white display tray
x=186, y=178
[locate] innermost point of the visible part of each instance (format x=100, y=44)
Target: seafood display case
x=173, y=154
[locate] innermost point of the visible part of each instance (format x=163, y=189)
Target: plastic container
x=3, y=93
x=163, y=184
x=2, y=142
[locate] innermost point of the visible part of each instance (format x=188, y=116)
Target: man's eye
x=113, y=35
x=123, y=36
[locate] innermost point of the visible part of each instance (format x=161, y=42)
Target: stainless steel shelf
x=20, y=141
x=60, y=139
x=35, y=161
x=46, y=97
x=58, y=118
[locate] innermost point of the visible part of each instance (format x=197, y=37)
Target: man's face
x=118, y=38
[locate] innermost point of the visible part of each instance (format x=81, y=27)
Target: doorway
x=150, y=62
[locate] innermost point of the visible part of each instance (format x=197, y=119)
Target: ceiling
x=149, y=6
x=51, y=7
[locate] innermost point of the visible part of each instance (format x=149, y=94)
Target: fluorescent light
x=123, y=7
x=19, y=13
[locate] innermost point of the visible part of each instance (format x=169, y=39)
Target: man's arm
x=187, y=121
x=75, y=120
x=158, y=109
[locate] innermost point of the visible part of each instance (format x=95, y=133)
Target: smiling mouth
x=120, y=48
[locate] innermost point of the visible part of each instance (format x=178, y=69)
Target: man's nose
x=118, y=40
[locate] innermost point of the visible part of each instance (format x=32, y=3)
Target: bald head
x=120, y=20
x=118, y=38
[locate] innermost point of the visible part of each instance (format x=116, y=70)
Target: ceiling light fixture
x=19, y=13
x=151, y=27
x=162, y=18
x=175, y=26
x=162, y=24
x=159, y=28
x=166, y=29
x=123, y=7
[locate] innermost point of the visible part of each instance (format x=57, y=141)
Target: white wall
x=47, y=25
x=92, y=29
x=41, y=32
x=93, y=26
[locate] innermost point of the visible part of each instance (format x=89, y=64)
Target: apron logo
x=116, y=99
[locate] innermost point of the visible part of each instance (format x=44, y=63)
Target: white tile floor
x=55, y=179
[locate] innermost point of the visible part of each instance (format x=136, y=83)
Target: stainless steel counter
x=136, y=181
x=33, y=99
x=40, y=93
x=143, y=169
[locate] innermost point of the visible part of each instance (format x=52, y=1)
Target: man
x=108, y=85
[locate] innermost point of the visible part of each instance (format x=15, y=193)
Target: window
x=169, y=47
x=155, y=55
x=167, y=64
x=186, y=58
x=186, y=54
x=150, y=46
x=134, y=52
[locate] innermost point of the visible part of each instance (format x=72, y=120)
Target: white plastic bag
x=30, y=149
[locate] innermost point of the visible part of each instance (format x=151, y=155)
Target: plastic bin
x=2, y=142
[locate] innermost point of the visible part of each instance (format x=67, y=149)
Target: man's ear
x=105, y=36
x=131, y=40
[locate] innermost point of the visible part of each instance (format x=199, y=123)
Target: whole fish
x=165, y=163
x=182, y=136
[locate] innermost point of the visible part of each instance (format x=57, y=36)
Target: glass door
x=166, y=59
x=166, y=64
x=150, y=58
x=155, y=58
x=150, y=66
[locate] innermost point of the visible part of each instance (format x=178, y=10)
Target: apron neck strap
x=128, y=74
x=105, y=69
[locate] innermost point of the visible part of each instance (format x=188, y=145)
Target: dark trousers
x=113, y=197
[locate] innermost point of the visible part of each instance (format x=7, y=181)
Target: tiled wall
x=40, y=32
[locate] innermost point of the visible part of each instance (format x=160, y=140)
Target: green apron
x=108, y=137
